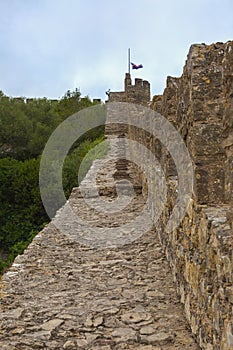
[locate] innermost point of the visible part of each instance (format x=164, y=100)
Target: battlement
x=55, y=294
x=138, y=93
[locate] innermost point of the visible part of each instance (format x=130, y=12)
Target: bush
x=24, y=130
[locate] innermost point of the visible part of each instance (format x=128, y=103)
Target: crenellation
x=138, y=82
x=138, y=93
x=128, y=81
x=199, y=104
x=156, y=103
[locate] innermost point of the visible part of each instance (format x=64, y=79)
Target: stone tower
x=138, y=93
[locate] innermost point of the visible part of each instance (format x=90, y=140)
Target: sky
x=50, y=46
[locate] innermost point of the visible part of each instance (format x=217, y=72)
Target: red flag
x=136, y=66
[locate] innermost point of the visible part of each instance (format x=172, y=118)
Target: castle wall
x=200, y=106
x=138, y=93
x=228, y=122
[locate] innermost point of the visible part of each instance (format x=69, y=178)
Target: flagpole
x=129, y=60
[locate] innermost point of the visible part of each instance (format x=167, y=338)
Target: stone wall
x=200, y=105
x=138, y=93
x=228, y=121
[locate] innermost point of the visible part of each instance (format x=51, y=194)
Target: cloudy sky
x=50, y=46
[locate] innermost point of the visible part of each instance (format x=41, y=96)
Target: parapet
x=138, y=93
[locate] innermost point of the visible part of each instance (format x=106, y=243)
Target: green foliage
x=2, y=265
x=21, y=209
x=25, y=127
x=79, y=161
x=71, y=103
x=26, y=124
x=15, y=127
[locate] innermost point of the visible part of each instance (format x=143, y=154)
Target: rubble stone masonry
x=200, y=106
x=59, y=295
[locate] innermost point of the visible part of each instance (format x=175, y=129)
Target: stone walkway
x=62, y=294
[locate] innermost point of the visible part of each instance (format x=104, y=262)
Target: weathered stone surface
x=148, y=330
x=124, y=334
x=158, y=338
x=135, y=317
x=138, y=93
x=69, y=345
x=200, y=104
x=64, y=294
x=51, y=325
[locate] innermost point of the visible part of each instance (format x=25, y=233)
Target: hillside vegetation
x=25, y=126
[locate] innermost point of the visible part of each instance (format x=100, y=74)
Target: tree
x=25, y=126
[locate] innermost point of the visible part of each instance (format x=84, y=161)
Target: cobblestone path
x=62, y=294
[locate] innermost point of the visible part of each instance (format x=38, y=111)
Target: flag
x=136, y=66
